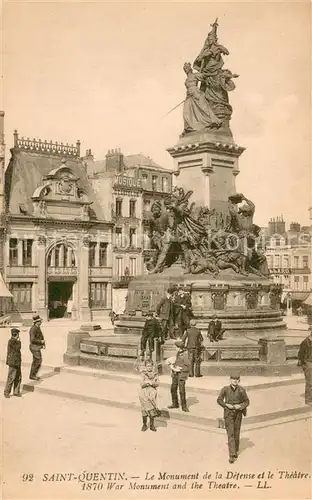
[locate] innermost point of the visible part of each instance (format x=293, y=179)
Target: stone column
x=109, y=295
x=207, y=172
x=19, y=252
x=69, y=257
x=97, y=255
x=53, y=257
x=42, y=278
x=83, y=282
x=61, y=256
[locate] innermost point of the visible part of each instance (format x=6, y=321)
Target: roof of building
x=25, y=172
x=140, y=160
x=132, y=162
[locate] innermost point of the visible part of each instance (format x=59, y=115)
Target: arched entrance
x=62, y=278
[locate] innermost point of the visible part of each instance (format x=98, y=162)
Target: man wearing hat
x=305, y=361
x=180, y=366
x=194, y=343
x=14, y=361
x=164, y=310
x=36, y=343
x=151, y=331
x=215, y=332
x=233, y=398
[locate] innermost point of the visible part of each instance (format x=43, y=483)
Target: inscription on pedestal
x=122, y=351
x=89, y=348
x=240, y=354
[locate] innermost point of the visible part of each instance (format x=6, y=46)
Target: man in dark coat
x=182, y=310
x=233, y=398
x=151, y=331
x=14, y=361
x=305, y=361
x=164, y=311
x=194, y=343
x=36, y=343
x=215, y=332
x=180, y=367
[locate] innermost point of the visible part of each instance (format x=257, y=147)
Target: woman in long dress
x=148, y=394
x=197, y=113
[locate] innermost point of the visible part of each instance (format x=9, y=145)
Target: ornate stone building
x=126, y=187
x=58, y=244
x=289, y=258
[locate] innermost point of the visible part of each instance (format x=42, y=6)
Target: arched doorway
x=62, y=278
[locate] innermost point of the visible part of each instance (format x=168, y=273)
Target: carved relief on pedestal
x=252, y=299
x=219, y=299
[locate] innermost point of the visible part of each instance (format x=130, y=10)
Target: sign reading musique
x=129, y=182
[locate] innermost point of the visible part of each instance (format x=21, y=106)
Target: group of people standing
x=14, y=357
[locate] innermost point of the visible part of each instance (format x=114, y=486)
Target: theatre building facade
x=58, y=242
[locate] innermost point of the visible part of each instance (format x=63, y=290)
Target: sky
x=108, y=72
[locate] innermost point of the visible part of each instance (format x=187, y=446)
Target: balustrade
x=48, y=147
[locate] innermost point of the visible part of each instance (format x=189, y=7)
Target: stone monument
x=203, y=235
x=203, y=238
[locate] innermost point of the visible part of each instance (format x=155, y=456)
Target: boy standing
x=180, y=367
x=14, y=361
x=233, y=398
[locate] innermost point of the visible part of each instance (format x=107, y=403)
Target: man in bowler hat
x=36, y=343
x=151, y=331
x=215, y=332
x=194, y=343
x=164, y=311
x=14, y=361
x=179, y=372
x=233, y=398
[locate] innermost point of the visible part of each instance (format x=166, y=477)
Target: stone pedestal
x=74, y=338
x=207, y=163
x=272, y=351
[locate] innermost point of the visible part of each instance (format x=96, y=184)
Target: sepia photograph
x=155, y=250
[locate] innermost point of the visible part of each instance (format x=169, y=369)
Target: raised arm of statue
x=249, y=203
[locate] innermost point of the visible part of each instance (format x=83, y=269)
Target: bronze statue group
x=175, y=321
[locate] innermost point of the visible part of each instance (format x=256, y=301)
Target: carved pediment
x=61, y=196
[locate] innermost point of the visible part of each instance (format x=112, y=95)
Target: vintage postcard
x=155, y=250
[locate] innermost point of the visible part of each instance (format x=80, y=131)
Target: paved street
x=49, y=435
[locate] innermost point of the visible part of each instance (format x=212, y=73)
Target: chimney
x=115, y=161
x=88, y=161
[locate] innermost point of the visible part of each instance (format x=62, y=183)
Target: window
x=119, y=265
x=103, y=255
x=132, y=239
x=277, y=242
x=296, y=282
x=98, y=295
x=305, y=261
x=270, y=261
x=144, y=179
x=277, y=261
x=22, y=293
x=132, y=266
x=305, y=282
x=164, y=184
x=296, y=262
x=132, y=204
x=92, y=252
x=154, y=182
x=119, y=208
x=13, y=252
x=27, y=252
x=118, y=239
x=286, y=261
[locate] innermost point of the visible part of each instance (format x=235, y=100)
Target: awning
x=299, y=295
x=308, y=300
x=4, y=291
